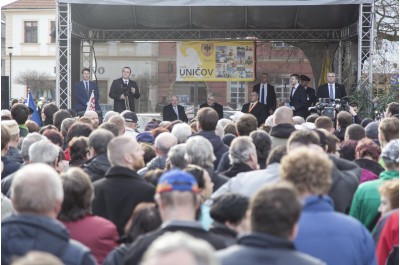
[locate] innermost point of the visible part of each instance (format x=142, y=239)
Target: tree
x=37, y=82
x=387, y=19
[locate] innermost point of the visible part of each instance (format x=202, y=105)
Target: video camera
x=329, y=107
x=125, y=89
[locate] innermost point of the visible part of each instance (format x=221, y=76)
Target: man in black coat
x=311, y=98
x=173, y=111
x=124, y=91
x=122, y=189
x=266, y=94
x=177, y=199
x=212, y=104
x=258, y=109
x=275, y=211
x=298, y=97
x=331, y=89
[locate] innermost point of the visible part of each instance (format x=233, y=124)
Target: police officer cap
x=304, y=78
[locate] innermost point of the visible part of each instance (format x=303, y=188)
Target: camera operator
x=124, y=91
x=353, y=110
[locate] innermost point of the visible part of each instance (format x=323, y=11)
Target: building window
x=282, y=89
x=52, y=31
x=31, y=32
x=237, y=94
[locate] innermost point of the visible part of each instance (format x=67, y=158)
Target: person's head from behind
x=48, y=112
x=366, y=148
x=302, y=138
x=176, y=157
x=54, y=136
x=32, y=126
x=119, y=122
x=19, y=113
x=79, y=129
x=389, y=192
x=144, y=218
x=348, y=149
x=44, y=151
x=246, y=124
x=275, y=210
x=207, y=119
x=326, y=123
x=78, y=195
x=65, y=125
x=177, y=195
x=203, y=180
x=354, y=132
x=344, y=119
x=98, y=141
x=59, y=117
x=388, y=130
x=283, y=115
x=243, y=151
x=28, y=140
x=164, y=142
x=390, y=155
x=111, y=127
x=262, y=142
x=179, y=248
x=276, y=154
x=79, y=149
x=36, y=258
x=181, y=131
x=230, y=209
x=199, y=151
x=309, y=172
x=124, y=151
x=37, y=189
x=5, y=139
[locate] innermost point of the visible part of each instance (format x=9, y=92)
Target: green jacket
x=366, y=200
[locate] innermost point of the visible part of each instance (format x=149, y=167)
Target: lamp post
x=10, y=49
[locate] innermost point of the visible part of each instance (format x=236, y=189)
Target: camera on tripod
x=329, y=107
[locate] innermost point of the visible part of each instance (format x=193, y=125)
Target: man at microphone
x=331, y=89
x=124, y=91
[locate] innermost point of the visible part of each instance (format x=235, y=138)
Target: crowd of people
x=286, y=190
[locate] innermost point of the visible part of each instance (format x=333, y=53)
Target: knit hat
x=391, y=151
x=151, y=125
x=371, y=130
x=177, y=180
x=12, y=126
x=145, y=137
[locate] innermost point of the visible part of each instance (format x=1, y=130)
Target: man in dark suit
x=83, y=90
x=173, y=111
x=331, y=89
x=298, y=97
x=256, y=108
x=266, y=94
x=212, y=104
x=124, y=91
x=311, y=98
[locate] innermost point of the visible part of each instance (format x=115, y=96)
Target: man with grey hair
x=162, y=145
x=37, y=195
x=97, y=166
x=174, y=111
x=27, y=143
x=199, y=151
x=176, y=157
x=94, y=118
x=181, y=131
x=118, y=193
x=179, y=248
x=243, y=156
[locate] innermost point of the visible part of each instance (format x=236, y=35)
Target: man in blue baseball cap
x=177, y=197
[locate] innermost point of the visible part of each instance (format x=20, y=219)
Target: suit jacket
x=299, y=101
x=117, y=89
x=82, y=97
x=271, y=97
x=170, y=115
x=323, y=91
x=312, y=99
x=259, y=111
x=217, y=107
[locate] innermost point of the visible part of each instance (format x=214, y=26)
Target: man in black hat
x=311, y=98
x=131, y=125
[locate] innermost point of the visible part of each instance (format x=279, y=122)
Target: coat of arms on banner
x=207, y=49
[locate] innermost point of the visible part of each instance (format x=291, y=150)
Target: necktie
x=87, y=87
x=251, y=105
x=262, y=99
x=126, y=82
x=176, y=112
x=330, y=91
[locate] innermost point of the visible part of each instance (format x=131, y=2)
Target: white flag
x=91, y=105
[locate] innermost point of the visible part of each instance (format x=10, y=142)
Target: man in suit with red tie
x=173, y=111
x=298, y=97
x=256, y=108
x=266, y=94
x=124, y=91
x=331, y=89
x=83, y=89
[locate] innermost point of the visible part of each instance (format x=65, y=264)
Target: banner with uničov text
x=214, y=61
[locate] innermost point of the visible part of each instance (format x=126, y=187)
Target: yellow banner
x=215, y=61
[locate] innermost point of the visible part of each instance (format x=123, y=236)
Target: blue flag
x=35, y=115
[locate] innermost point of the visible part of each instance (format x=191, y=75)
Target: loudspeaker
x=5, y=103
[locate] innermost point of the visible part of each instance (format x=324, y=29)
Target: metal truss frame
x=67, y=28
x=63, y=66
x=345, y=66
x=366, y=34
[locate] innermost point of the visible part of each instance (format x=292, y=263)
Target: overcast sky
x=6, y=2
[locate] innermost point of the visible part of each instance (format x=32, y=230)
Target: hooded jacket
x=280, y=134
x=97, y=167
x=22, y=233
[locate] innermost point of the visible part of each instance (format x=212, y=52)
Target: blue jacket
x=331, y=236
x=22, y=233
x=82, y=97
